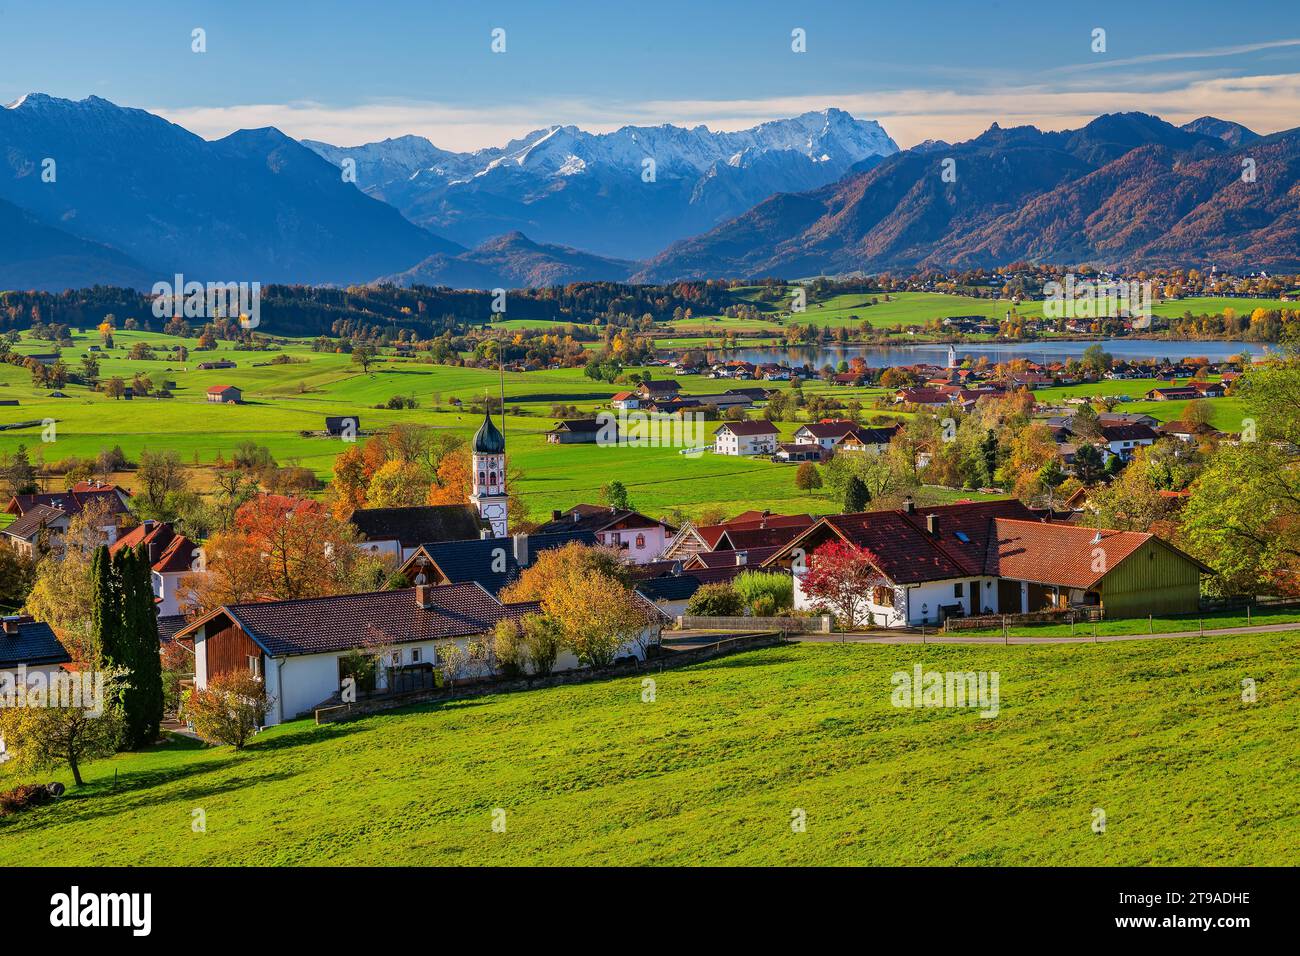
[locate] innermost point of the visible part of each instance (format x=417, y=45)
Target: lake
x=877, y=356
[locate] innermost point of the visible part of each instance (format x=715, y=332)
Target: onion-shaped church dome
x=488, y=440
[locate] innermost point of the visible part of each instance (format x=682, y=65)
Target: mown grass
x=1155, y=734
x=1170, y=624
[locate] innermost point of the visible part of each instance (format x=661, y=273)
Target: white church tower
x=952, y=357
x=489, y=463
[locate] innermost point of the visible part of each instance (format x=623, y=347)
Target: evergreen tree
x=125, y=626
x=989, y=456
x=856, y=496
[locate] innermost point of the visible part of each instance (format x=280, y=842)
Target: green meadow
x=918, y=308
x=1155, y=735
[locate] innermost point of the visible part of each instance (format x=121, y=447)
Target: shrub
x=773, y=591
x=23, y=796
x=229, y=709
x=807, y=478
x=716, y=600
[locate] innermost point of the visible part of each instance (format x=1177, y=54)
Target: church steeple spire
x=489, y=465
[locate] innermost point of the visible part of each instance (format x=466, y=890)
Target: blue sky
x=351, y=72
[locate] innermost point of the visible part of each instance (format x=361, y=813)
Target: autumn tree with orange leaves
x=281, y=548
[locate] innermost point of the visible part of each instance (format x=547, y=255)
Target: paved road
x=895, y=637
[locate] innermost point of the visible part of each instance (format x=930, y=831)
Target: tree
x=17, y=575
x=365, y=356
x=614, y=494
x=542, y=642
x=50, y=736
x=125, y=627
x=59, y=593
x=1198, y=412
x=1089, y=467
x=856, y=496
x=229, y=709
x=584, y=592
x=1085, y=422
x=163, y=475
x=398, y=484
x=842, y=576
x=807, y=477
x=115, y=387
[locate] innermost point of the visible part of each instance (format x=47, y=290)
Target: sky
x=354, y=72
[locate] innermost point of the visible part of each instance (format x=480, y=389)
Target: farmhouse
x=625, y=401
x=1122, y=440
x=218, y=364
x=745, y=438
x=171, y=556
x=304, y=649
x=397, y=533
x=491, y=563
x=584, y=431
x=40, y=530
x=1171, y=393
x=658, y=390
x=827, y=434
x=642, y=539
x=223, y=394
x=692, y=539
x=872, y=441
x=997, y=558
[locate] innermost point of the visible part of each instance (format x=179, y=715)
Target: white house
x=825, y=434
x=745, y=438
x=994, y=557
x=30, y=654
x=303, y=649
x=641, y=538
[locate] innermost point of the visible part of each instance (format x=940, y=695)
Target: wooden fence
x=985, y=621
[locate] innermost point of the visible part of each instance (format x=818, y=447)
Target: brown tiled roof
x=723, y=559
x=175, y=554
x=1062, y=554
x=70, y=501
x=349, y=621
x=35, y=518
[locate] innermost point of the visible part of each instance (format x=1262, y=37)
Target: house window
x=956, y=589
x=255, y=665
x=415, y=655
x=640, y=542
x=882, y=596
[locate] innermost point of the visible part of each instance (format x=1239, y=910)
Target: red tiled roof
x=1056, y=553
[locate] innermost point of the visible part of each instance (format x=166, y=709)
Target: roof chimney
x=742, y=557
x=424, y=596
x=11, y=622
x=155, y=552
x=576, y=516
x=521, y=550
x=909, y=506
x=484, y=534
x=932, y=525
x=677, y=568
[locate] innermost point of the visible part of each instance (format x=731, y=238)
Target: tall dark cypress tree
x=141, y=623
x=125, y=622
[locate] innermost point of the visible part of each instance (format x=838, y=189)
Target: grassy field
x=918, y=308
x=286, y=405
x=1173, y=624
x=281, y=402
x=1155, y=734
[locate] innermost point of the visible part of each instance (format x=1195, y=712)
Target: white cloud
x=1264, y=103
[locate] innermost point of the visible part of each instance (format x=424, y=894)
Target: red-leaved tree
x=841, y=576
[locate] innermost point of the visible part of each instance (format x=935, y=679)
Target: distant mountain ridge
x=565, y=186
x=1126, y=190
x=252, y=206
x=514, y=261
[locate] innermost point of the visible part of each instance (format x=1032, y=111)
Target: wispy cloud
x=1241, y=49
x=1264, y=103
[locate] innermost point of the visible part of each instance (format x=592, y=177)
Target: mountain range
x=1126, y=190
x=94, y=193
x=597, y=191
